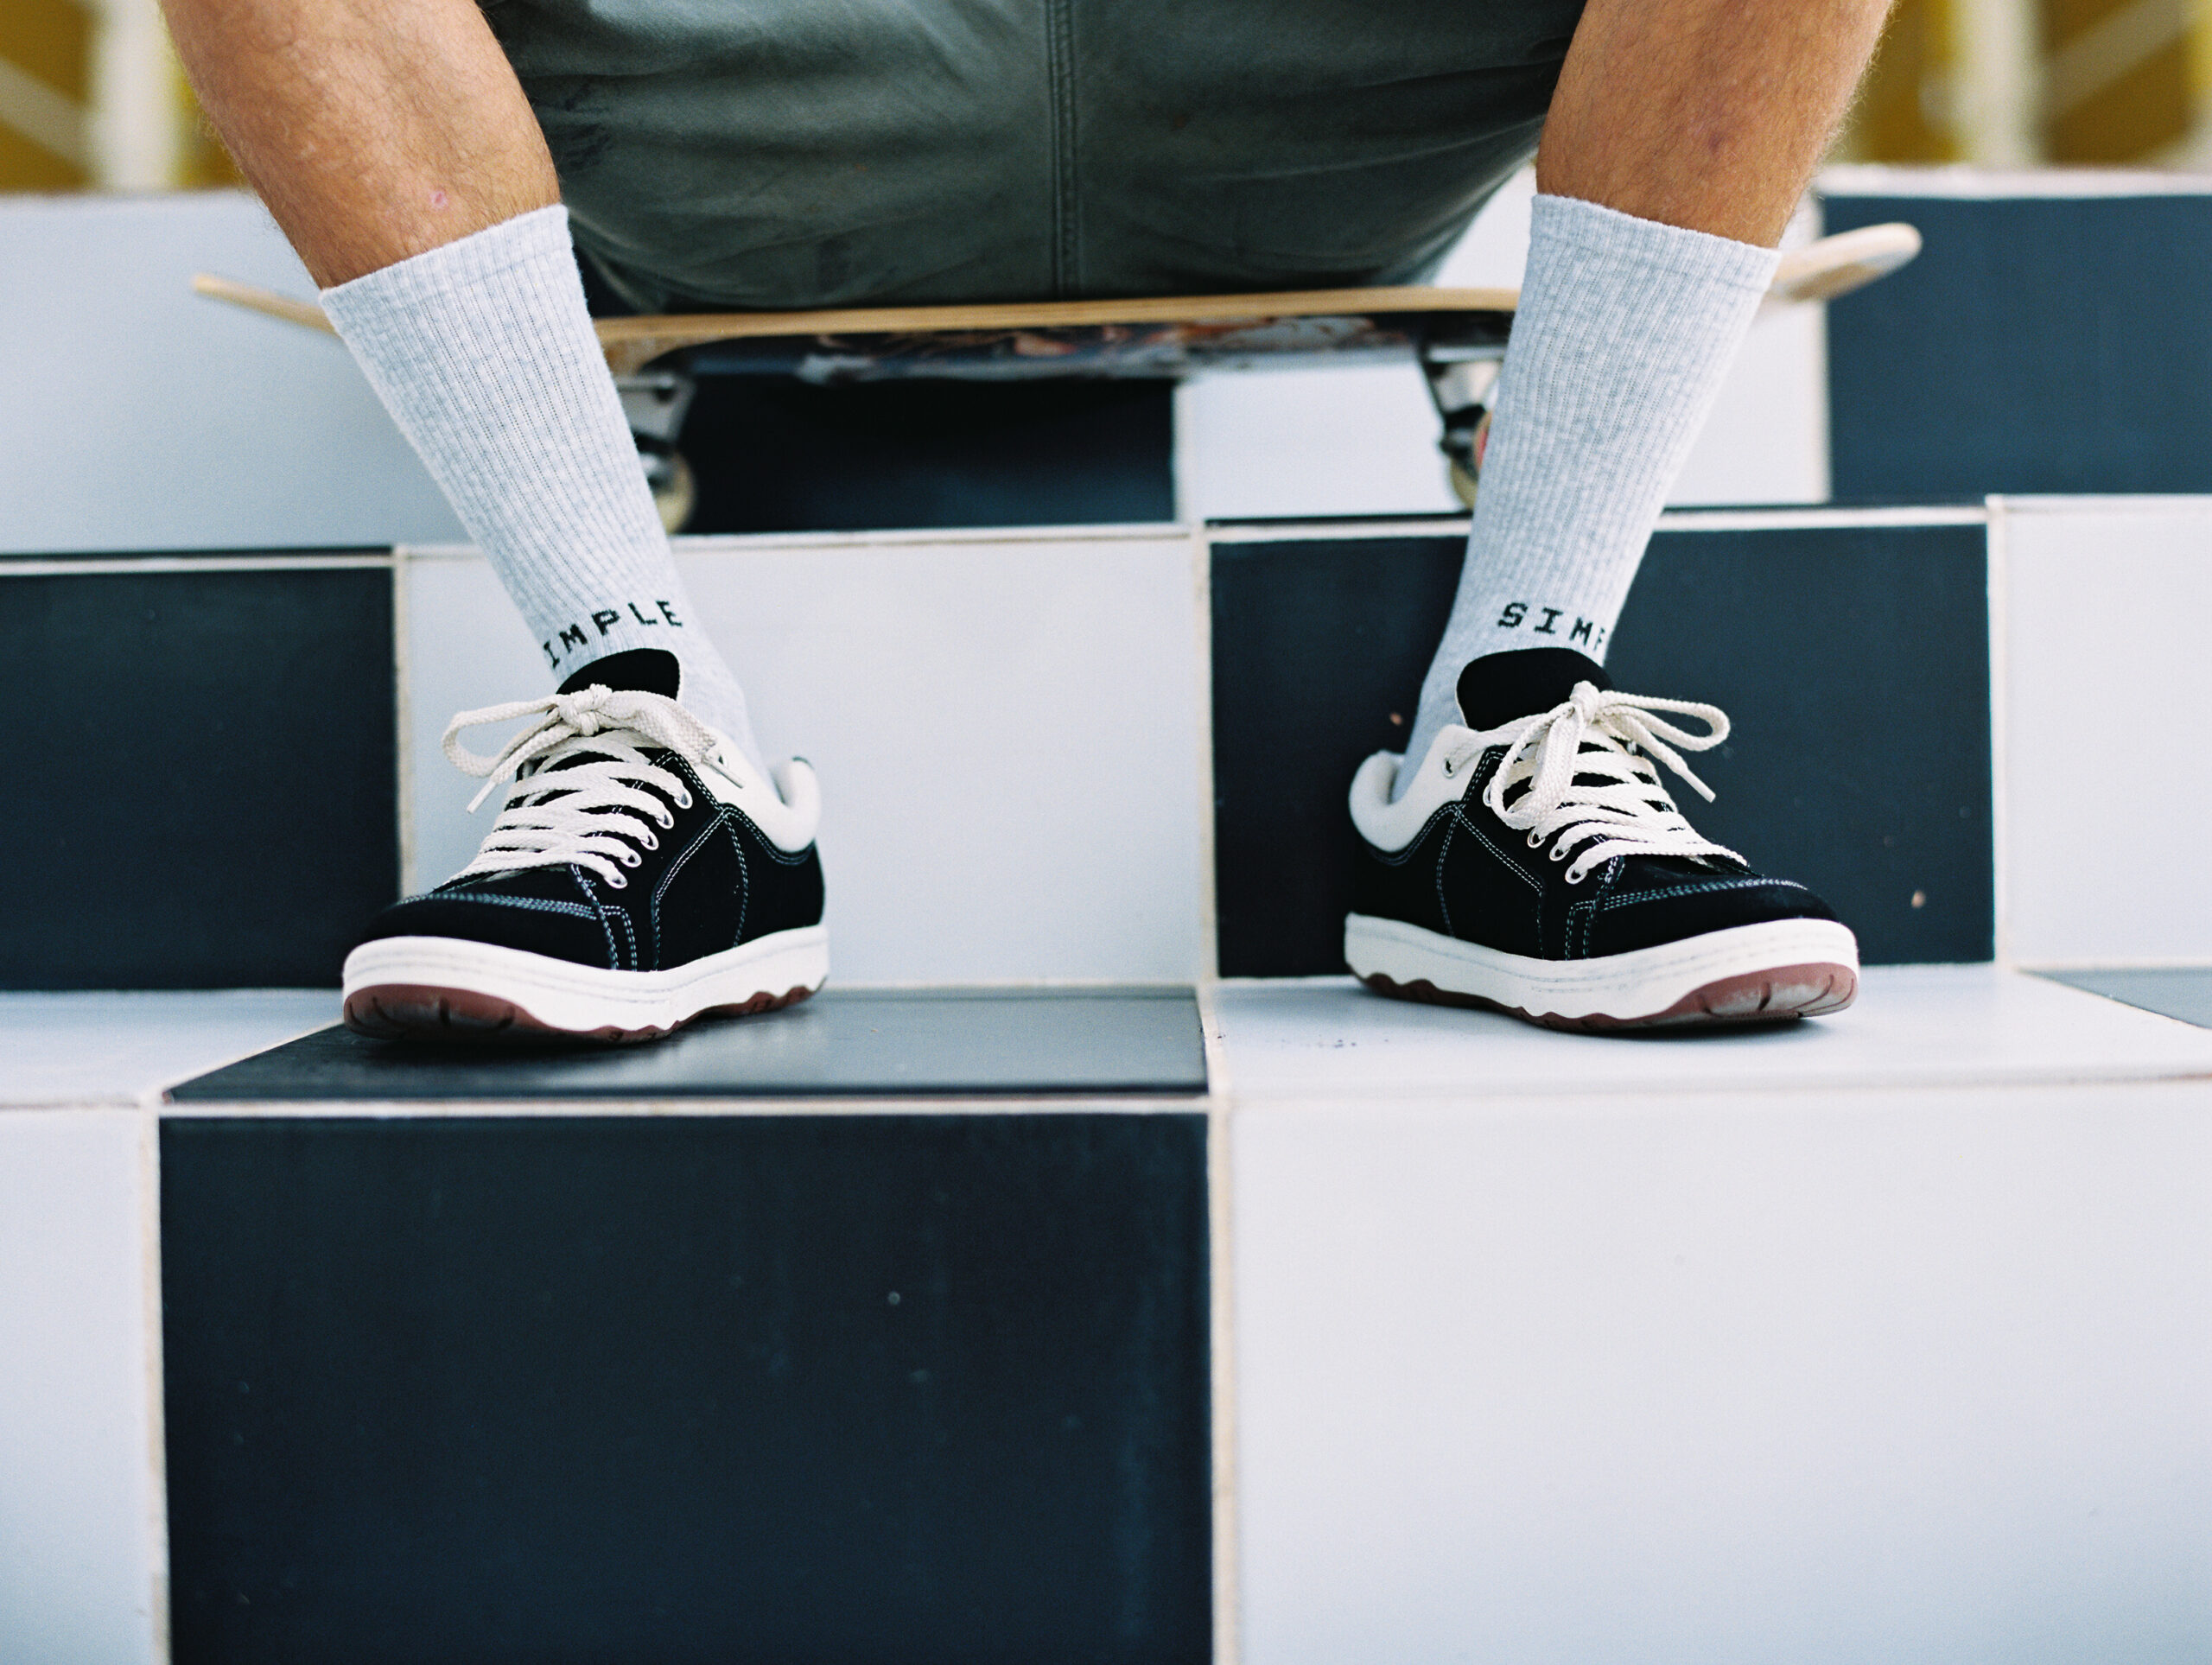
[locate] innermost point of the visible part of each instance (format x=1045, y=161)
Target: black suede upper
x=1469, y=875
x=715, y=882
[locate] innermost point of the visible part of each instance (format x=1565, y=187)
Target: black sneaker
x=1537, y=866
x=642, y=874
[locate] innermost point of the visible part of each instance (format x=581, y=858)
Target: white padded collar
x=1390, y=826
x=788, y=811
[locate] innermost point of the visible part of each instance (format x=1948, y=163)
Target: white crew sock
x=1626, y=330
x=484, y=354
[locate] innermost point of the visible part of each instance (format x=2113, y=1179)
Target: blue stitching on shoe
x=497, y=900
x=744, y=875
x=1701, y=888
x=1404, y=853
x=668, y=877
x=621, y=917
x=1444, y=908
x=584, y=884
x=1511, y=865
x=1580, y=916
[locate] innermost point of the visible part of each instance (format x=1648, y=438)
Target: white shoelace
x=596, y=812
x=1626, y=812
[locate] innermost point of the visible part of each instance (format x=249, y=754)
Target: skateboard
x=1457, y=336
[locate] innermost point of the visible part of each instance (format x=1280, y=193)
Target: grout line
x=157, y=1493
x=1221, y=1286
x=1202, y=605
x=1137, y=531
x=644, y=1107
x=130, y=565
x=1702, y=1093
x=2132, y=503
x=1815, y=518
x=1998, y=557
x=403, y=720
x=1750, y=518
x=1041, y=987
x=1314, y=532
x=2045, y=967
x=1964, y=181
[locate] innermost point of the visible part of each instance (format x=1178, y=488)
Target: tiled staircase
x=1092, y=1273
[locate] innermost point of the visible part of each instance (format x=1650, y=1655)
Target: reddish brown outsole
x=1777, y=995
x=397, y=1010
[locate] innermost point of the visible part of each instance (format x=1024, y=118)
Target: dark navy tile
x=773, y=454
x=2172, y=991
x=1853, y=660
x=210, y=799
x=843, y=1043
x=2043, y=344
x=901, y=1389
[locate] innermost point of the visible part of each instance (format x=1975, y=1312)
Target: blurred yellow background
x=91, y=97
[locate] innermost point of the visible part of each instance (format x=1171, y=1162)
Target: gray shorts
x=797, y=153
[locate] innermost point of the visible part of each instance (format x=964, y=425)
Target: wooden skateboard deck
x=1158, y=336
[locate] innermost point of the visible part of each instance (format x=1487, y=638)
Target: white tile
x=1747, y=1377
x=1007, y=728
x=1338, y=440
x=141, y=417
x=1766, y=440
x=2106, y=797
x=105, y=1048
x=465, y=647
x=77, y=1504
x=1911, y=1026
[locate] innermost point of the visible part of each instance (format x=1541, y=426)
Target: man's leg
x=1524, y=853
x=646, y=868
x=1678, y=143
x=394, y=144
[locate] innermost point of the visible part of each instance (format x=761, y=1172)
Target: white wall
x=135, y=414
x=2107, y=796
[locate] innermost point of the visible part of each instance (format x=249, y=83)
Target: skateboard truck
x=1460, y=380
x=654, y=402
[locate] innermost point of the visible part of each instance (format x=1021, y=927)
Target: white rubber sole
x=444, y=987
x=1751, y=974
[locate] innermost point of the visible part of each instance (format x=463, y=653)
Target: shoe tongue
x=1499, y=687
x=637, y=670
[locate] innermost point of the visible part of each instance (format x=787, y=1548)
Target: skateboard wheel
x=674, y=488
x=1463, y=445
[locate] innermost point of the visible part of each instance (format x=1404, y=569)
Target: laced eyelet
x=1557, y=853
x=649, y=841
x=683, y=800
x=1535, y=840
x=629, y=858
x=664, y=819
x=616, y=881
x=1576, y=875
